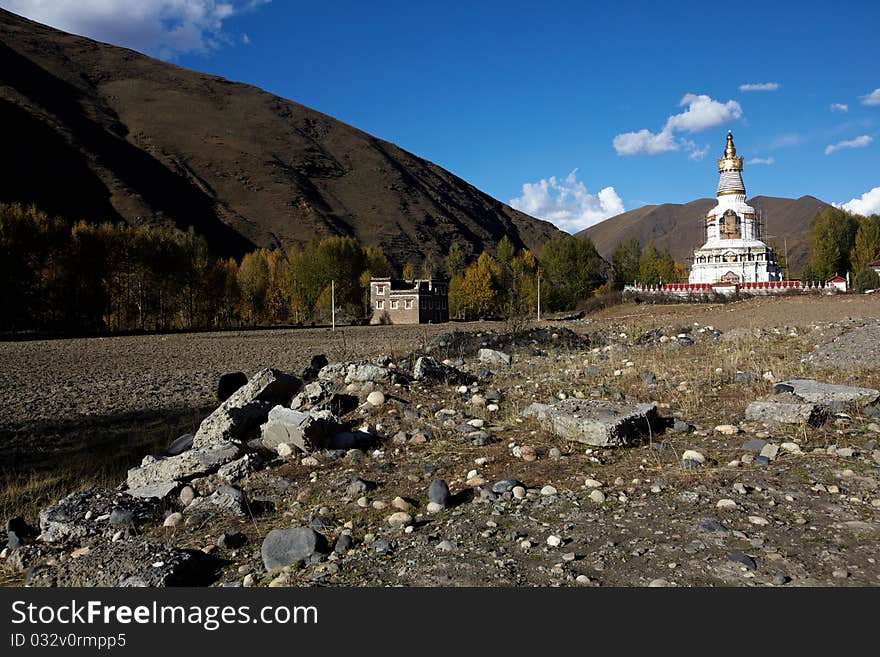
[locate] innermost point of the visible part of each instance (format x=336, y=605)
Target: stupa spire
x=730, y=167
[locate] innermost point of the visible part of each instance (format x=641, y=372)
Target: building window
x=380, y=289
x=407, y=303
x=380, y=304
x=394, y=304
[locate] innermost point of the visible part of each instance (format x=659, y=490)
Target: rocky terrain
x=596, y=452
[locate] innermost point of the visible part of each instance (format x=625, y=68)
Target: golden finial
x=730, y=151
x=730, y=162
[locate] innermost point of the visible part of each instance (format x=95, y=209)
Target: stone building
x=733, y=252
x=420, y=301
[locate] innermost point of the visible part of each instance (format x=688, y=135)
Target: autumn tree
x=253, y=281
x=478, y=287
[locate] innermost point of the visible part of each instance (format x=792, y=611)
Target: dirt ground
x=770, y=311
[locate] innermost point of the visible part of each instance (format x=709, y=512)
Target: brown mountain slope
x=679, y=226
x=100, y=132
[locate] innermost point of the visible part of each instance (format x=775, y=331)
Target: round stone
x=173, y=520
x=592, y=483
x=187, y=495
x=597, y=496
x=401, y=504
x=554, y=541
x=399, y=519
x=284, y=450
x=725, y=504
x=438, y=492
x=547, y=490
x=693, y=455
x=433, y=507
x=658, y=583
x=519, y=492
x=376, y=398
x=363, y=502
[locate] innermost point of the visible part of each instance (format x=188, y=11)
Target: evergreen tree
x=456, y=262
x=832, y=236
x=866, y=247
x=625, y=262
x=572, y=270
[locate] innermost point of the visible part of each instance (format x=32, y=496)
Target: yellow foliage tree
x=478, y=291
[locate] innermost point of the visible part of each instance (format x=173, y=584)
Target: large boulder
x=288, y=547
x=493, y=358
x=774, y=412
x=183, y=467
x=427, y=369
x=596, y=422
x=129, y=563
x=306, y=431
x=226, y=500
x=93, y=512
x=367, y=373
x=247, y=408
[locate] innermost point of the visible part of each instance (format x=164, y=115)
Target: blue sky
x=507, y=94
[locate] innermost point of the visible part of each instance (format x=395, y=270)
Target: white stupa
x=733, y=252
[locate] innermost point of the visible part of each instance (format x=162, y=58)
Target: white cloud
x=868, y=203
x=761, y=160
x=759, y=86
x=839, y=107
x=702, y=112
x=858, y=142
x=567, y=203
x=872, y=98
x=245, y=39
x=645, y=142
x=159, y=27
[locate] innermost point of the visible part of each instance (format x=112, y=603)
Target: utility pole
x=333, y=303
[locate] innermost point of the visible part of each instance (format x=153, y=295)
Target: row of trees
x=67, y=278
x=61, y=277
x=649, y=266
x=841, y=242
x=506, y=284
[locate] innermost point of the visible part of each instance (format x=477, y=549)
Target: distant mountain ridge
x=99, y=132
x=679, y=226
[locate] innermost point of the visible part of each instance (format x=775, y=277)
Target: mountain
x=99, y=132
x=680, y=227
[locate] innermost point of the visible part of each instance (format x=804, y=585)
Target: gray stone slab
x=772, y=412
x=193, y=463
x=596, y=422
x=828, y=393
